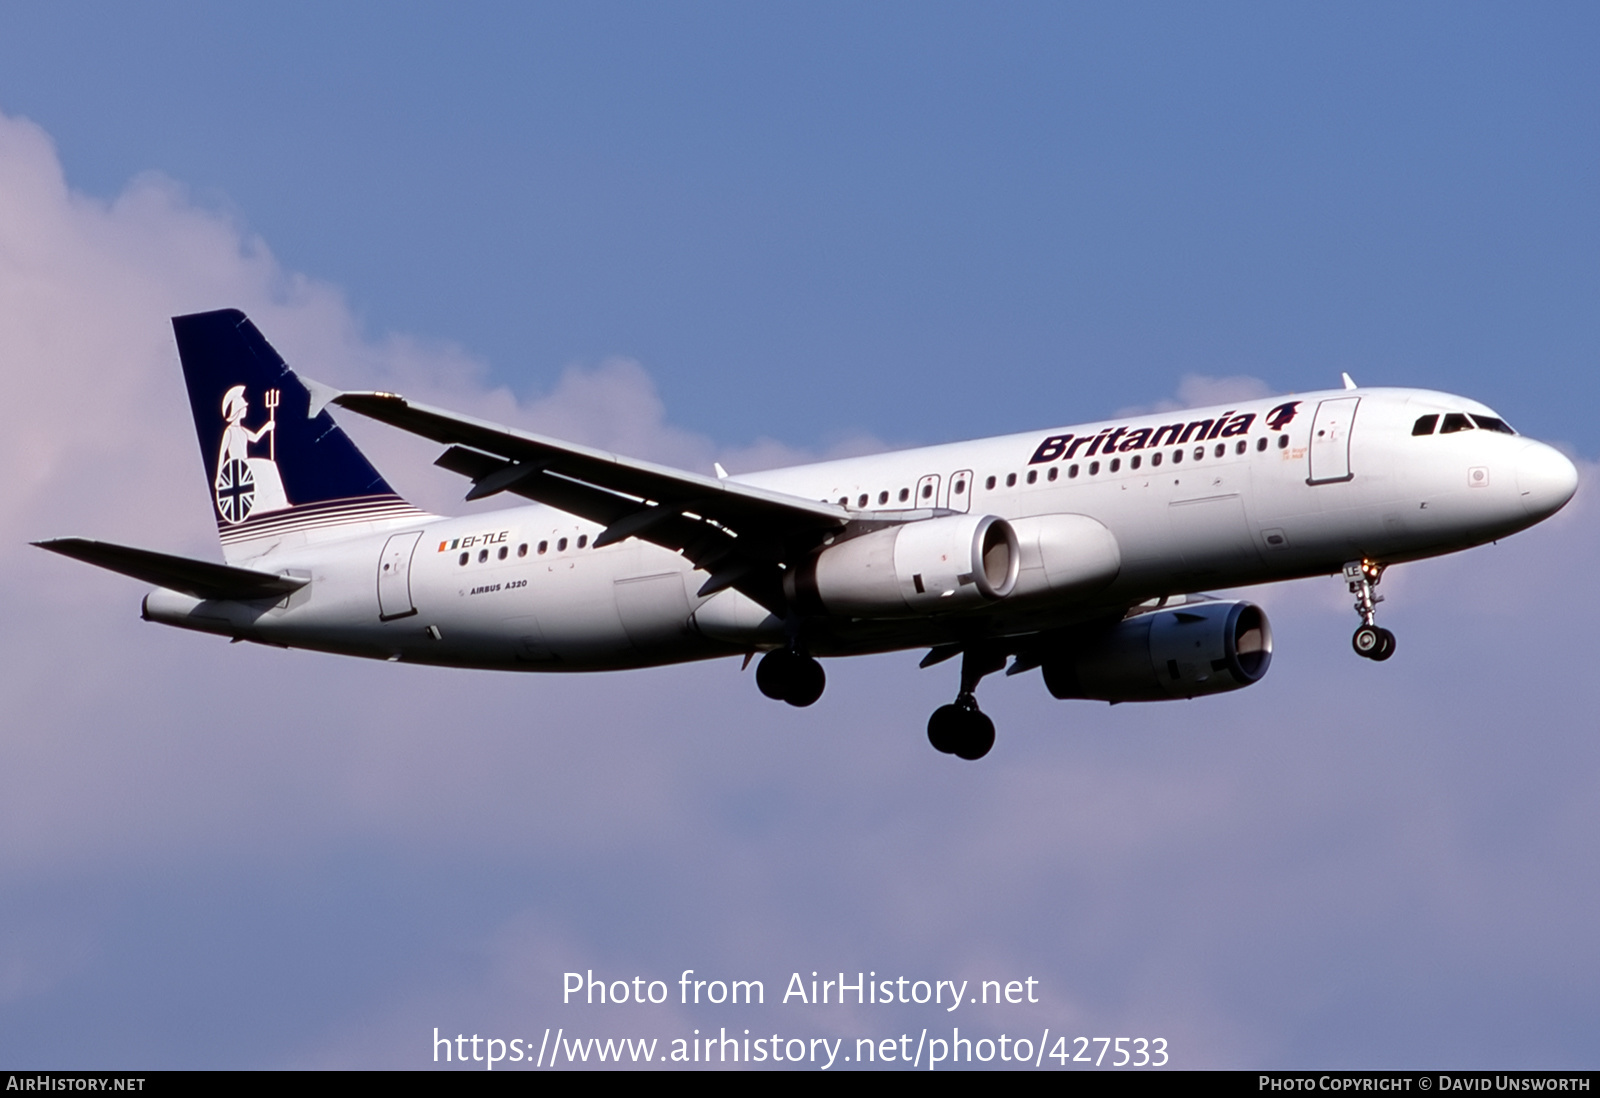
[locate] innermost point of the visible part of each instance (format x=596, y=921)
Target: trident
x=272, y=418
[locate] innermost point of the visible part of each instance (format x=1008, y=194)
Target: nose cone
x=1546, y=480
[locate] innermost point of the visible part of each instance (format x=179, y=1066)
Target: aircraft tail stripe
x=327, y=519
x=260, y=535
x=351, y=505
x=320, y=515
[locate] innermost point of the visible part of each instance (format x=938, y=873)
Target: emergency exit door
x=960, y=490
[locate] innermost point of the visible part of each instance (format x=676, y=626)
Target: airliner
x=1077, y=551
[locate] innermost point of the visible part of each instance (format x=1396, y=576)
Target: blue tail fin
x=276, y=471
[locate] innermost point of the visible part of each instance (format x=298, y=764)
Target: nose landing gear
x=961, y=729
x=1370, y=640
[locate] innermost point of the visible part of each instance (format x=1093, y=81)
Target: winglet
x=722, y=474
x=321, y=396
x=1349, y=382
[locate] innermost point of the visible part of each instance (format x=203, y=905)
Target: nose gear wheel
x=1374, y=642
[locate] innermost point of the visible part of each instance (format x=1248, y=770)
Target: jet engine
x=1179, y=651
x=932, y=566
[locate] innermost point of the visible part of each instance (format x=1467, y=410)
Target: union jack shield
x=236, y=491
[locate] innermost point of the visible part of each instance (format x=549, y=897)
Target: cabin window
x=861, y=501
x=561, y=545
x=961, y=486
x=583, y=541
x=1454, y=422
x=1261, y=443
x=1199, y=452
x=1072, y=471
x=1133, y=462
x=1241, y=447
x=522, y=550
x=1011, y=480
x=1177, y=457
x=463, y=558
x=544, y=547
x=905, y=493
x=1425, y=425
x=1094, y=467
x=844, y=501
x=1222, y=449
x=1033, y=476
x=502, y=553
x=883, y=497
x=483, y=555
x=927, y=490
x=1052, y=474
x=1155, y=459
x=1116, y=463
x=1283, y=442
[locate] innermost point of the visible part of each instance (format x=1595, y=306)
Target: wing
x=199, y=578
x=741, y=535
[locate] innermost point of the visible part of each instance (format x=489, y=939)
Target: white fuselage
x=1344, y=479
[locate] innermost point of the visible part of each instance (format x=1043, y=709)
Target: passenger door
x=1330, y=440
x=394, y=576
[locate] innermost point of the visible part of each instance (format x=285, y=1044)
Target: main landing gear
x=1370, y=640
x=788, y=674
x=961, y=729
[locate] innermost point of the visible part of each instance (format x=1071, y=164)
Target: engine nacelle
x=1065, y=556
x=1176, y=652
x=928, y=567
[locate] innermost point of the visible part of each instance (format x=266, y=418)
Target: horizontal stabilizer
x=199, y=578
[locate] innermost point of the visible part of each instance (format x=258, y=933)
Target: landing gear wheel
x=787, y=676
x=1366, y=641
x=944, y=728
x=961, y=730
x=772, y=673
x=977, y=737
x=1374, y=642
x=1385, y=645
x=806, y=682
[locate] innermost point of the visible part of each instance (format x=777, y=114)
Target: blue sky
x=714, y=232
x=841, y=207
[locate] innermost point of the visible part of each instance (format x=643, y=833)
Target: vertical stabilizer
x=276, y=472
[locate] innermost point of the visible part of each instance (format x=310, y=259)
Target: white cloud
x=1200, y=390
x=95, y=433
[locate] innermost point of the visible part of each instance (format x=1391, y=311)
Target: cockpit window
x=1492, y=423
x=1455, y=421
x=1425, y=425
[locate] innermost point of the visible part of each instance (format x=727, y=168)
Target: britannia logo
x=247, y=485
x=1280, y=417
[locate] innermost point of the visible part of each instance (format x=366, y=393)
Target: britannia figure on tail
x=248, y=485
